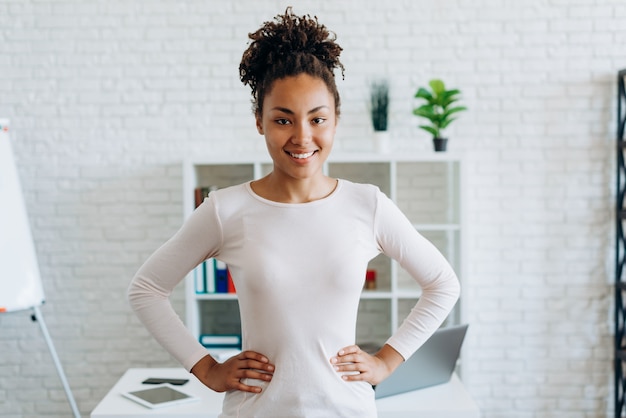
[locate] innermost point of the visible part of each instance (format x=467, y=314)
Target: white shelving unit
x=428, y=189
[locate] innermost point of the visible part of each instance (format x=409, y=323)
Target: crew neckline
x=283, y=204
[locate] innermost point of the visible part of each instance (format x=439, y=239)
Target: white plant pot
x=382, y=142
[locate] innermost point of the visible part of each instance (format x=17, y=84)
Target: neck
x=277, y=189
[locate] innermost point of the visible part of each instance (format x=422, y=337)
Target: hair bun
x=284, y=37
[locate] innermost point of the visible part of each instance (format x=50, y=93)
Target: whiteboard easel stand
x=38, y=317
x=17, y=253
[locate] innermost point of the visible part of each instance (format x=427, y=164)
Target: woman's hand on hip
x=222, y=377
x=356, y=365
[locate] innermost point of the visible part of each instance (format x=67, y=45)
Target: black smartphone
x=159, y=380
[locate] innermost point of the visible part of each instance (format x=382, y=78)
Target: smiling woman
x=289, y=67
x=297, y=244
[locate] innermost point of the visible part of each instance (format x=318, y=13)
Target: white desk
x=449, y=400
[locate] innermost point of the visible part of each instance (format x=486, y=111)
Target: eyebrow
x=290, y=112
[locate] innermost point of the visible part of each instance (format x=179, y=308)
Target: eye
x=317, y=121
x=282, y=121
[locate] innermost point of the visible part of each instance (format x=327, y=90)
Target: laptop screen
x=432, y=364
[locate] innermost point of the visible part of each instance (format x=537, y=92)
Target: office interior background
x=107, y=98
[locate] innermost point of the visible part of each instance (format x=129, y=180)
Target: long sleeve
x=149, y=291
x=399, y=240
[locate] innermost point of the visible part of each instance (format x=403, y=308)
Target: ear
x=259, y=124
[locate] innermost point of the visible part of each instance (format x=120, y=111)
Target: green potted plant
x=439, y=109
x=379, y=112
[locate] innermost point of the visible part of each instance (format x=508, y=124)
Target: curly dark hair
x=289, y=46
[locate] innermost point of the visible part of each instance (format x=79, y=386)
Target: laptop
x=432, y=364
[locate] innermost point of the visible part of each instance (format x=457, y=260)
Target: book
x=231, y=284
x=208, y=279
x=200, y=279
x=220, y=340
x=221, y=276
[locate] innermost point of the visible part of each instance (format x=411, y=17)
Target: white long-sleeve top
x=299, y=271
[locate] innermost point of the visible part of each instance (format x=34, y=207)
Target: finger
x=349, y=350
x=254, y=360
x=347, y=354
x=352, y=371
x=255, y=374
x=251, y=374
x=247, y=388
x=253, y=355
x=256, y=365
x=350, y=358
x=354, y=377
x=349, y=368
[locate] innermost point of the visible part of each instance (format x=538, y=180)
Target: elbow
x=457, y=289
x=447, y=287
x=453, y=286
x=143, y=292
x=456, y=285
x=137, y=293
x=132, y=293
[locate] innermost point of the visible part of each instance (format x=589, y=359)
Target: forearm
x=390, y=358
x=155, y=312
x=432, y=308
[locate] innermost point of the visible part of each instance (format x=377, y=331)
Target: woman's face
x=299, y=123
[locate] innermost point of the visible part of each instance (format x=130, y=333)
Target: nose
x=302, y=134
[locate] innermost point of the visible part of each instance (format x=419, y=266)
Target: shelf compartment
x=219, y=316
x=428, y=192
x=223, y=175
x=373, y=321
x=377, y=173
x=382, y=265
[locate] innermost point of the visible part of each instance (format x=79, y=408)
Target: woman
x=297, y=244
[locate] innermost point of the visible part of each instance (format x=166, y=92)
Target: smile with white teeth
x=301, y=156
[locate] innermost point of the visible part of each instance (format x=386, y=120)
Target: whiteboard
x=20, y=281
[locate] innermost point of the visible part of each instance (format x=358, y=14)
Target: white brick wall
x=107, y=97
